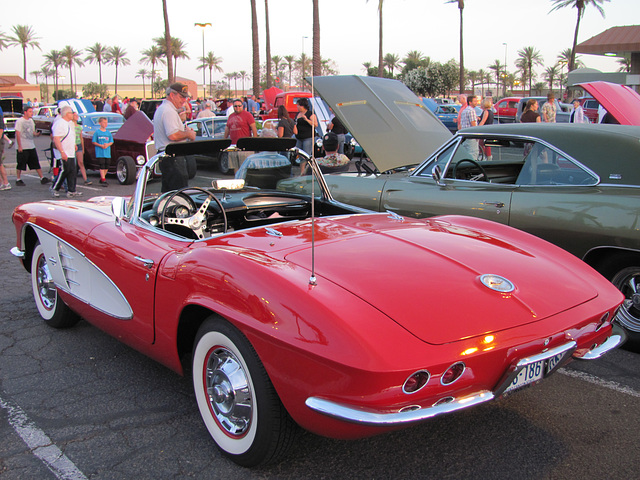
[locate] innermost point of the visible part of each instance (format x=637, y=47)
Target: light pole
x=204, y=80
x=505, y=69
x=302, y=62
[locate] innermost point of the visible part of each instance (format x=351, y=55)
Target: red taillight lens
x=452, y=373
x=416, y=381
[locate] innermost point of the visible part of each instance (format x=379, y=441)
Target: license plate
x=534, y=372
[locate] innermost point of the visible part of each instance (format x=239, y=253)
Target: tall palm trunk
x=268, y=45
x=317, y=59
x=256, y=49
x=167, y=44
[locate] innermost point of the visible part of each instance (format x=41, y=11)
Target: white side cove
x=73, y=273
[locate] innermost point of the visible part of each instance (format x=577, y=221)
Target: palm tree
x=211, y=62
x=243, y=75
x=178, y=50
x=415, y=59
x=473, y=78
x=550, y=75
x=380, y=57
x=229, y=76
x=267, y=43
x=538, y=87
x=152, y=56
x=143, y=72
x=95, y=54
x=303, y=63
x=276, y=60
x=317, y=59
x=3, y=41
x=391, y=61
x=461, y=8
x=71, y=57
x=167, y=44
x=527, y=58
x=255, y=68
x=46, y=73
x=24, y=36
x=580, y=5
x=366, y=66
x=290, y=59
x=482, y=78
x=625, y=64
x=54, y=60
x=497, y=68
x=117, y=56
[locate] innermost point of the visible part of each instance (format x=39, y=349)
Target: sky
x=349, y=31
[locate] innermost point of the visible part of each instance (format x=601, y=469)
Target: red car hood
x=621, y=101
x=429, y=282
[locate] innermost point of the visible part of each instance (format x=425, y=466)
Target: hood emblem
x=497, y=283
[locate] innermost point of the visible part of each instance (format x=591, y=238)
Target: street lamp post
x=302, y=63
x=204, y=80
x=505, y=69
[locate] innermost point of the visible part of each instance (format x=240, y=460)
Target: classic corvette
x=291, y=309
x=577, y=186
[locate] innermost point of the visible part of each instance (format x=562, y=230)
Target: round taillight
x=453, y=373
x=416, y=381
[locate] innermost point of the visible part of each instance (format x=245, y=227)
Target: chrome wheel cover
x=47, y=291
x=628, y=282
x=229, y=394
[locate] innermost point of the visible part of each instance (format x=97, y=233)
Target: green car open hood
x=386, y=118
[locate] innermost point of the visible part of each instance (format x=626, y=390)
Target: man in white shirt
x=64, y=142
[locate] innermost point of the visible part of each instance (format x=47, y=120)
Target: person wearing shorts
x=27, y=156
x=102, y=140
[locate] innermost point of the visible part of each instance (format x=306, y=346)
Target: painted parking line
x=40, y=444
x=600, y=382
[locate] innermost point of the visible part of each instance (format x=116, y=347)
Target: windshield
x=189, y=198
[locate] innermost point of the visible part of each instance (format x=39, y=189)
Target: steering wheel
x=197, y=222
x=481, y=176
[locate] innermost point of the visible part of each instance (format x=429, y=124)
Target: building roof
x=7, y=80
x=618, y=40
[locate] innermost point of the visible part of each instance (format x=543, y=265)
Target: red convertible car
x=294, y=310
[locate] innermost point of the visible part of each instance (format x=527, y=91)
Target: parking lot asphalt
x=78, y=404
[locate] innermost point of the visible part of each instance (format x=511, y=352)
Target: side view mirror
x=118, y=206
x=436, y=173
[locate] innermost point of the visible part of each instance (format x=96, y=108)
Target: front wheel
x=52, y=309
x=223, y=162
x=237, y=401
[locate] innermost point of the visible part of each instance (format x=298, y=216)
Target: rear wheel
x=126, y=170
x=627, y=280
x=52, y=309
x=237, y=401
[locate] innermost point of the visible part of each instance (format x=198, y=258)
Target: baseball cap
x=330, y=141
x=179, y=88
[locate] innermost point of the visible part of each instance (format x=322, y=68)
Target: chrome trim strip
x=371, y=418
x=16, y=252
x=617, y=338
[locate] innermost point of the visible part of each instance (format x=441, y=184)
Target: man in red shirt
x=240, y=124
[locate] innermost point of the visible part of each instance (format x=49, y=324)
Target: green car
x=575, y=185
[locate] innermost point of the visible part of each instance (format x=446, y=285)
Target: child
x=102, y=139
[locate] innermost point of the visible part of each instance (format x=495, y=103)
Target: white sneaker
x=54, y=193
x=5, y=187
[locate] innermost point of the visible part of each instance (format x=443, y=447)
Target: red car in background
x=590, y=106
x=506, y=109
x=288, y=99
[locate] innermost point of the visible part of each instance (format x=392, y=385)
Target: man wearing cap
x=168, y=128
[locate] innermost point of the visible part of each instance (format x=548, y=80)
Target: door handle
x=495, y=204
x=147, y=262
